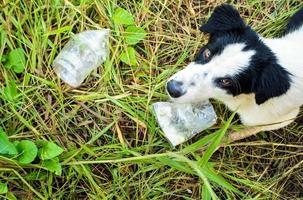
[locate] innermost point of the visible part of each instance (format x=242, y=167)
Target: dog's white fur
x=279, y=111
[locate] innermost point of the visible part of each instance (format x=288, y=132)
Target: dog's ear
x=224, y=18
x=273, y=81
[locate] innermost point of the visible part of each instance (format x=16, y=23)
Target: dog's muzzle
x=174, y=88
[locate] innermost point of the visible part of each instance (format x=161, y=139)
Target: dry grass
x=124, y=161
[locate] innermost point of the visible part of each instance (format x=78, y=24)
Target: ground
x=113, y=147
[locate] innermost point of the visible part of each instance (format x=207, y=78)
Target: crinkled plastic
x=180, y=122
x=81, y=55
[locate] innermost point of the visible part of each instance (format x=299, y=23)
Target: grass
x=113, y=147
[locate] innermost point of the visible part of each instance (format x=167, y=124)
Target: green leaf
x=3, y=188
x=19, y=69
x=3, y=58
x=10, y=91
x=205, y=193
x=198, y=171
x=216, y=142
x=27, y=150
x=250, y=184
x=129, y=57
x=36, y=176
x=11, y=196
x=53, y=165
x=48, y=150
x=180, y=166
x=122, y=16
x=16, y=142
x=219, y=180
x=199, y=144
x=134, y=34
x=3, y=39
x=6, y=147
x=16, y=60
x=60, y=30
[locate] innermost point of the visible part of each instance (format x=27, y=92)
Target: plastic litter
x=81, y=55
x=181, y=122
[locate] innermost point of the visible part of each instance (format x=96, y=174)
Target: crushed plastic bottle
x=81, y=55
x=180, y=122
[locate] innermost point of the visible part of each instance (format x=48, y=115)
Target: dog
x=259, y=78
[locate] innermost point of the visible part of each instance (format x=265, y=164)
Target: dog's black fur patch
x=264, y=77
x=224, y=18
x=295, y=22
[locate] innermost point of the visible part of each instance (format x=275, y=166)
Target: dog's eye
x=206, y=54
x=225, y=81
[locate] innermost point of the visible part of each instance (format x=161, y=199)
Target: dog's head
x=234, y=61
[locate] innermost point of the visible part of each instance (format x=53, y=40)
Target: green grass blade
x=180, y=166
x=219, y=180
x=216, y=142
x=205, y=193
x=199, y=144
x=194, y=165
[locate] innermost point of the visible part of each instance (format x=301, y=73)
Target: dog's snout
x=174, y=88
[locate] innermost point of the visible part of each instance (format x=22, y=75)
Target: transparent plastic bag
x=81, y=55
x=181, y=122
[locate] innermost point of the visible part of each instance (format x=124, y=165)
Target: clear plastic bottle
x=81, y=55
x=180, y=122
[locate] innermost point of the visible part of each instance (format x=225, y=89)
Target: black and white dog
x=259, y=78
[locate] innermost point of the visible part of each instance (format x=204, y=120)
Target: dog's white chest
x=275, y=110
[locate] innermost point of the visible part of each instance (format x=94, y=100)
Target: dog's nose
x=174, y=88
